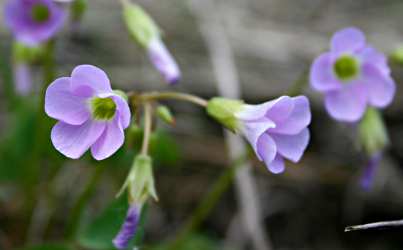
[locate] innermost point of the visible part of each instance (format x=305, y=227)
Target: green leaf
x=100, y=233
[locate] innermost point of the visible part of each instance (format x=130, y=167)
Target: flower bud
x=372, y=132
x=146, y=33
x=397, y=55
x=129, y=227
x=140, y=25
x=165, y=114
x=140, y=182
x=224, y=111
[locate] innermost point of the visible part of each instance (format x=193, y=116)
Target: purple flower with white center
x=163, y=61
x=352, y=76
x=22, y=78
x=277, y=129
x=33, y=21
x=90, y=114
x=129, y=227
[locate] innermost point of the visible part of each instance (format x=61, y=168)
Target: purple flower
x=90, y=114
x=277, y=129
x=369, y=171
x=352, y=75
x=33, y=21
x=22, y=78
x=163, y=61
x=129, y=227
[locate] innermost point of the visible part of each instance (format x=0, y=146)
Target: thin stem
x=382, y=224
x=169, y=95
x=147, y=127
x=210, y=200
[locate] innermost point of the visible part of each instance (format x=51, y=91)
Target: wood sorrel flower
x=33, y=21
x=276, y=129
x=90, y=114
x=146, y=33
x=352, y=75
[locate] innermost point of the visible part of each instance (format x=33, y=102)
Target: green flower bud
x=141, y=26
x=140, y=181
x=78, y=8
x=165, y=114
x=372, y=132
x=223, y=110
x=397, y=55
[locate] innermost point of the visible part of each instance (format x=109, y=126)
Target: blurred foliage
x=48, y=246
x=100, y=232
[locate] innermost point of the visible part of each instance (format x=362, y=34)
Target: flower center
x=346, y=67
x=103, y=108
x=40, y=13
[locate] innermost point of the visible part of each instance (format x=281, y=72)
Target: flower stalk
x=154, y=96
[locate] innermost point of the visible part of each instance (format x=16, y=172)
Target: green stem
x=152, y=96
x=147, y=127
x=80, y=204
x=210, y=200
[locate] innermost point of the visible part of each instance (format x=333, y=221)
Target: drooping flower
x=352, y=76
x=33, y=21
x=146, y=33
x=129, y=227
x=276, y=130
x=90, y=114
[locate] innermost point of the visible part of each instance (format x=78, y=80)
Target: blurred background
x=50, y=202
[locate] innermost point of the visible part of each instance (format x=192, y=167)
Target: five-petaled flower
x=352, y=75
x=90, y=114
x=276, y=129
x=33, y=21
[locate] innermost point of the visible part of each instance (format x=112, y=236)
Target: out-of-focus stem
x=223, y=61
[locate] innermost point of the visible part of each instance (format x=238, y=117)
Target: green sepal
x=140, y=182
x=165, y=114
x=372, y=132
x=140, y=25
x=224, y=110
x=121, y=93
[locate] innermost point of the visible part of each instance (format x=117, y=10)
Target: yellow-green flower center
x=103, y=109
x=40, y=13
x=346, y=67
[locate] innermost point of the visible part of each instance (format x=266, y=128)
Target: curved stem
x=382, y=224
x=169, y=95
x=147, y=127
